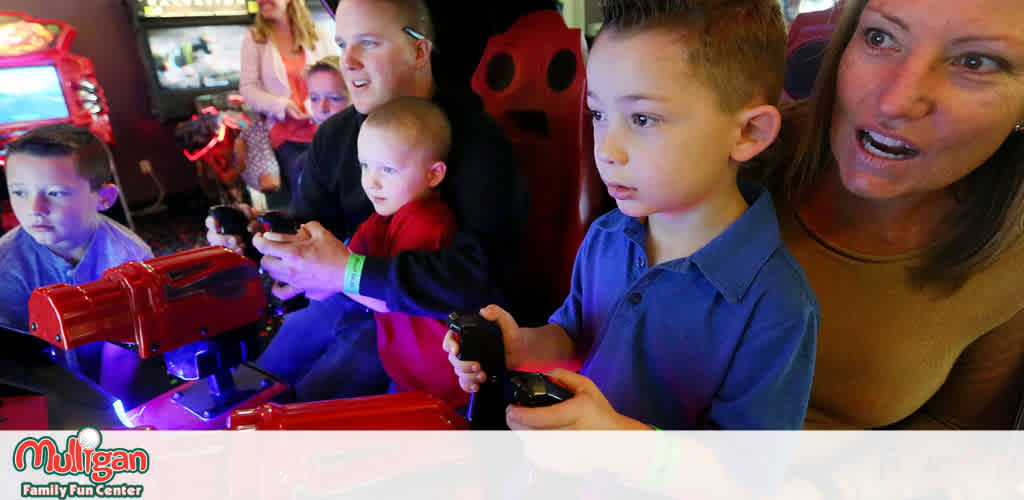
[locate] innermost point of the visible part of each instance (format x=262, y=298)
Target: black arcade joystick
x=481, y=341
x=234, y=222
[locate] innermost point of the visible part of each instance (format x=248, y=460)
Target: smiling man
x=328, y=349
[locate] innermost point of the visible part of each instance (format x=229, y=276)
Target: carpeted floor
x=178, y=228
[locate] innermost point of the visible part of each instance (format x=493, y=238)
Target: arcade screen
x=197, y=57
x=190, y=8
x=30, y=93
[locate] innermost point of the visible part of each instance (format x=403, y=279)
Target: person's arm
x=359, y=244
x=769, y=382
x=430, y=227
x=250, y=83
x=546, y=347
x=489, y=197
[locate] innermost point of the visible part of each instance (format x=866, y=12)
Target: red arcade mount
x=41, y=82
x=203, y=308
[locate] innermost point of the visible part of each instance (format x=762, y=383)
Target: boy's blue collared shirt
x=723, y=338
x=27, y=265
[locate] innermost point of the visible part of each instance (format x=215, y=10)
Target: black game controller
x=233, y=221
x=276, y=221
x=534, y=389
x=481, y=341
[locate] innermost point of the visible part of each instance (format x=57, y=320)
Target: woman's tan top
x=891, y=354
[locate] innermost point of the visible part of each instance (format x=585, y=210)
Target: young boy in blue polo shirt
x=686, y=310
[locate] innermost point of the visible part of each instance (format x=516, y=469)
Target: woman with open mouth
x=900, y=194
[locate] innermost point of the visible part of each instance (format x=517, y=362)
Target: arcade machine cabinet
x=41, y=83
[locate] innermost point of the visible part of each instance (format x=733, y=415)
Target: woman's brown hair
x=303, y=29
x=990, y=213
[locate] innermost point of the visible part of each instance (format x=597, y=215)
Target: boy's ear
x=423, y=48
x=108, y=196
x=759, y=125
x=436, y=174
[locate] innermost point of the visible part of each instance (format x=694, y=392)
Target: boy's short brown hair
x=418, y=121
x=92, y=157
x=737, y=47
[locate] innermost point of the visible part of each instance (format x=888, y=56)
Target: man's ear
x=759, y=125
x=436, y=174
x=423, y=49
x=108, y=196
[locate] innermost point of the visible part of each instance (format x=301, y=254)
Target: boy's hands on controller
x=587, y=409
x=213, y=229
x=469, y=372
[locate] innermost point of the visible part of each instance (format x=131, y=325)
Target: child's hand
x=587, y=409
x=469, y=372
x=231, y=242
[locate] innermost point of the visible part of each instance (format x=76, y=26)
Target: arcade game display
x=42, y=82
x=194, y=48
x=189, y=49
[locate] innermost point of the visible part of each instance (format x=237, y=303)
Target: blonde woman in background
x=275, y=52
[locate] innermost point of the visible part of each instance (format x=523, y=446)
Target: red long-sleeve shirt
x=410, y=346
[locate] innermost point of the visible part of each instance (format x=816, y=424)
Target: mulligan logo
x=82, y=456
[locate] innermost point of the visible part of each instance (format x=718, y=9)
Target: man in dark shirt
x=328, y=350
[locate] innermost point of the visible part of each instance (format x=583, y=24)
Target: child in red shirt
x=402, y=147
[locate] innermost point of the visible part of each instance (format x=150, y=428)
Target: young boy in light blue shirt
x=59, y=179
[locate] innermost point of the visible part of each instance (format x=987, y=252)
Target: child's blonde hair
x=417, y=121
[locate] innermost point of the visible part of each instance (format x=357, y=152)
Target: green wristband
x=353, y=273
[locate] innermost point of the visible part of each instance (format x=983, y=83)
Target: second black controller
x=534, y=389
x=234, y=222
x=481, y=341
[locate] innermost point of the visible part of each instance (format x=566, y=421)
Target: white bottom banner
x=286, y=465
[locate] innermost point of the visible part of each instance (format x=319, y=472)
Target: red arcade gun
x=201, y=309
x=41, y=82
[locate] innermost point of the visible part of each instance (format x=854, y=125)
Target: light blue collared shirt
x=26, y=265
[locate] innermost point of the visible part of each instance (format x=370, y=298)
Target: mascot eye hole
x=501, y=70
x=562, y=70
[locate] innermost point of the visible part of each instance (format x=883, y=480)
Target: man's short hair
x=418, y=121
x=737, y=47
x=91, y=156
x=414, y=14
